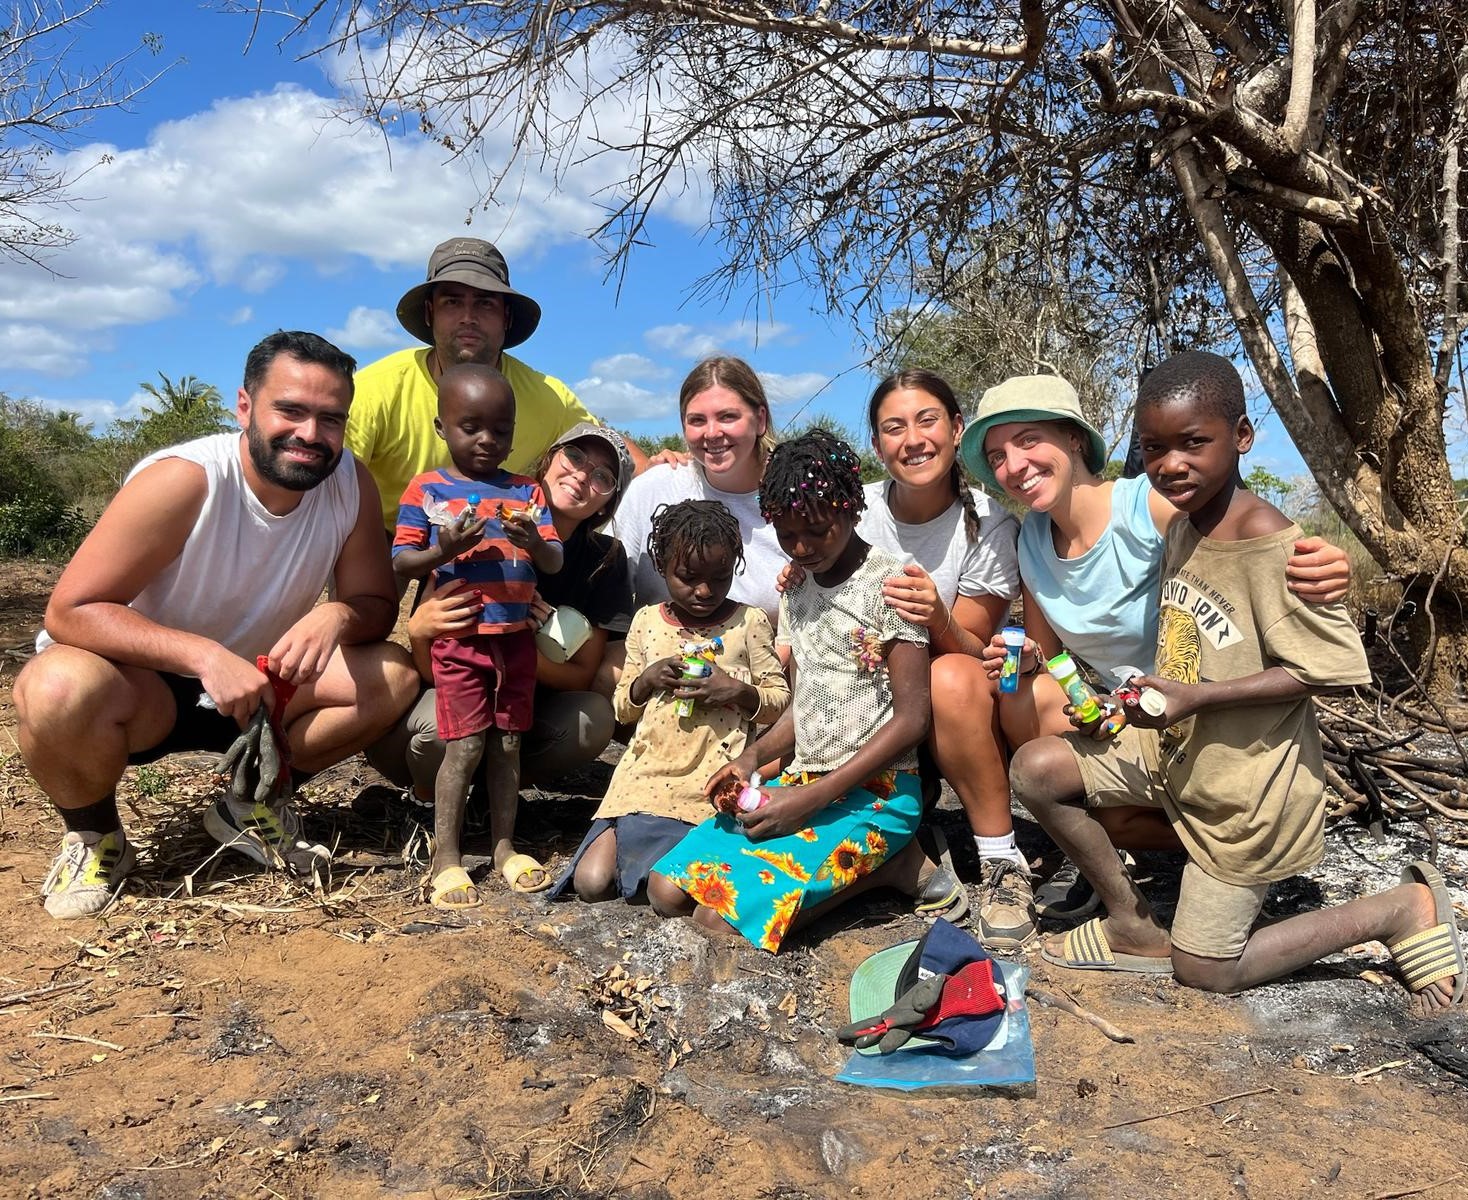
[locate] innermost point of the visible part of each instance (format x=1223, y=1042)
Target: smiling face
x=580, y=479
x=1036, y=462
x=476, y=418
x=1191, y=452
x=723, y=434
x=294, y=421
x=698, y=581
x=468, y=324
x=916, y=438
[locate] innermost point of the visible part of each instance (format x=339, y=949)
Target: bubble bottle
x=1082, y=699
x=750, y=797
x=1014, y=646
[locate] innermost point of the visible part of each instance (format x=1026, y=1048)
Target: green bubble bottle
x=1082, y=699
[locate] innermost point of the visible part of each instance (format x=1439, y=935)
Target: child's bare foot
x=1425, y=943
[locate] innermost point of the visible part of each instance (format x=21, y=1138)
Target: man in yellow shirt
x=466, y=312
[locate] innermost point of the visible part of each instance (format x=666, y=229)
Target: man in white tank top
x=213, y=553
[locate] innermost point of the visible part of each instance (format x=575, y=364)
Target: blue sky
x=231, y=202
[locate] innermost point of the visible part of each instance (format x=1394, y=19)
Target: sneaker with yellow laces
x=87, y=874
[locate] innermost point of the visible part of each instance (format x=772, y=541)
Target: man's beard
x=273, y=468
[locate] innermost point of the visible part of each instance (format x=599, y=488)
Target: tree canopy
x=1289, y=169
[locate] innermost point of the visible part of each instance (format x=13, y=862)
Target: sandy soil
x=226, y=1033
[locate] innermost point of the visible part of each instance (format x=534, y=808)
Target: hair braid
x=692, y=525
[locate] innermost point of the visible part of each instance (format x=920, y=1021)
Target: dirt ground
x=222, y=1032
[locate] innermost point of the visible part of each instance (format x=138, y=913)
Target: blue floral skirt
x=759, y=887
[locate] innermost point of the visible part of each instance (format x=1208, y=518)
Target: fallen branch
x=1067, y=1005
x=76, y=1037
x=1417, y=1191
x=1172, y=1112
x=54, y=990
x=28, y=1096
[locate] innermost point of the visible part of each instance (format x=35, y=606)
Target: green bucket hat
x=1026, y=398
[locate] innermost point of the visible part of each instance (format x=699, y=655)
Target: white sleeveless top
x=245, y=576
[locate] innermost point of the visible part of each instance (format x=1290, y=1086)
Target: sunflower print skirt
x=759, y=887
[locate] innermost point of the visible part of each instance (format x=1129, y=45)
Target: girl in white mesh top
x=843, y=811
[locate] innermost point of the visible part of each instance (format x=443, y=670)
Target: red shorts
x=484, y=681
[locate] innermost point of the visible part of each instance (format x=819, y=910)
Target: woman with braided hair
x=842, y=813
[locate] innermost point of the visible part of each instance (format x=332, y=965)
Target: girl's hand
x=540, y=611
x=1318, y=572
x=791, y=575
x=719, y=689
x=673, y=458
x=786, y=810
x=1031, y=661
x=454, y=541
x=662, y=675
x=445, y=611
x=725, y=784
x=914, y=595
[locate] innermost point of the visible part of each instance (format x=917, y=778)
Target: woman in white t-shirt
x=726, y=423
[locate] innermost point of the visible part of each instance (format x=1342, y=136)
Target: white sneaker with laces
x=87, y=874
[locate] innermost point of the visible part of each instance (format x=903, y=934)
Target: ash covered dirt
x=226, y=1033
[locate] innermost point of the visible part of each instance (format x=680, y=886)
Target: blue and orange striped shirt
x=501, y=572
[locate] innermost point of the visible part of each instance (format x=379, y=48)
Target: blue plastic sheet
x=1008, y=1061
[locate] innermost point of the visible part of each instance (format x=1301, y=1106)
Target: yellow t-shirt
x=390, y=424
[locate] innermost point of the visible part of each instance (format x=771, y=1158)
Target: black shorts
x=194, y=728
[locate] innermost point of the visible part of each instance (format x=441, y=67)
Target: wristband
x=1037, y=668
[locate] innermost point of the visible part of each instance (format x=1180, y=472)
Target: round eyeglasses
x=602, y=481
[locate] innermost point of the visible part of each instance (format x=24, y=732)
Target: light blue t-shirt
x=1103, y=604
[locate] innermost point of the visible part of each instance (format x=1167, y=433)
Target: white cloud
x=240, y=316
x=27, y=347
x=688, y=341
x=784, y=390
x=97, y=412
x=629, y=367
x=368, y=329
x=616, y=400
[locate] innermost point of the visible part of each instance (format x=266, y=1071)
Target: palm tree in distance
x=188, y=396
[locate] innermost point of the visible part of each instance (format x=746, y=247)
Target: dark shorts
x=642, y=839
x=484, y=681
x=194, y=728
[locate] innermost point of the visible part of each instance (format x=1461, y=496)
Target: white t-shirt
x=987, y=566
x=666, y=484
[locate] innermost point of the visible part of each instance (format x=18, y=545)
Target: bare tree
x=1295, y=165
x=42, y=105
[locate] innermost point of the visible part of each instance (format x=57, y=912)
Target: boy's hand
x=718, y=689
x=454, y=540
x=1103, y=726
x=786, y=810
x=1181, y=702
x=520, y=530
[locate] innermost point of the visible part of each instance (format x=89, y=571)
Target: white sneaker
x=87, y=874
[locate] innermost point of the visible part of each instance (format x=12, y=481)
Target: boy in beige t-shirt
x=1234, y=759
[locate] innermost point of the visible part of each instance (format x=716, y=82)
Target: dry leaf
x=373, y=1099
x=788, y=1005
x=617, y=1025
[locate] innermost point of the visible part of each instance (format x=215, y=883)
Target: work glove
x=907, y=1015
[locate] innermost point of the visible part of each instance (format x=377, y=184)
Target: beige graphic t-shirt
x=1245, y=785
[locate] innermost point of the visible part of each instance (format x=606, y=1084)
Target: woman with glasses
x=583, y=476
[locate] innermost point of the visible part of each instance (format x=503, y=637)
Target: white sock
x=1000, y=847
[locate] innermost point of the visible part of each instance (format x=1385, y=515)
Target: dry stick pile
x=1381, y=774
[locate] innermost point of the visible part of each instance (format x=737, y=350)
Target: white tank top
x=245, y=576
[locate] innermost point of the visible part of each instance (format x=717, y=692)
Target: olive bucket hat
x=1026, y=398
x=479, y=265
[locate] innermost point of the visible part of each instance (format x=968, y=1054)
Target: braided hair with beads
x=678, y=530
x=816, y=468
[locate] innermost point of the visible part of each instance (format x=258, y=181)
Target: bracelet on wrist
x=1037, y=668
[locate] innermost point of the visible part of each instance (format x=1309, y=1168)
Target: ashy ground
x=225, y=1033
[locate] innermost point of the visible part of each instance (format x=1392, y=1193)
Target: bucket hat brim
x=481, y=266
x=1020, y=399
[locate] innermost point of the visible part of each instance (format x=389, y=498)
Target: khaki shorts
x=1213, y=918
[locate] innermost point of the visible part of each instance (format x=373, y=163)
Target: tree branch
x=1302, y=72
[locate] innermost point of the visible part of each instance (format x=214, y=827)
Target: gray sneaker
x=1006, y=918
x=1067, y=896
